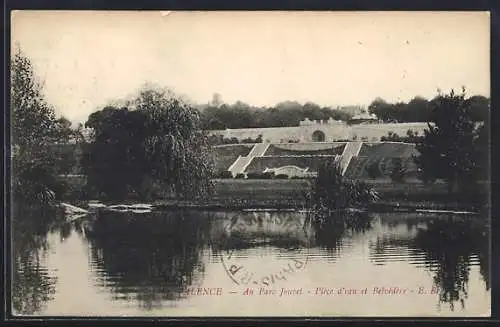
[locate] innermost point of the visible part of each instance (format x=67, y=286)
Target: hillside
x=374, y=160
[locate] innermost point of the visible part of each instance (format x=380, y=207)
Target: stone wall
x=332, y=132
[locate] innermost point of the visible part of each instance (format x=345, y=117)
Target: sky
x=89, y=58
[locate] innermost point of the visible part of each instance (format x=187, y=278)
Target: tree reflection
x=153, y=257
x=247, y=230
x=332, y=230
x=450, y=245
x=32, y=285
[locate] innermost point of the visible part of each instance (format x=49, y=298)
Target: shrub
x=268, y=175
x=254, y=175
x=240, y=176
x=281, y=176
x=332, y=191
x=331, y=194
x=225, y=174
x=257, y=175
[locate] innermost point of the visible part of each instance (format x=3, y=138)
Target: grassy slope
x=275, y=188
x=290, y=193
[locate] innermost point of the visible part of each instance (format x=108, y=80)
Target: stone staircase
x=240, y=164
x=351, y=150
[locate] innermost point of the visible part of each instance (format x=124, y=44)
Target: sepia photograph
x=250, y=164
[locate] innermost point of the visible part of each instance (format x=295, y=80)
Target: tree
x=479, y=107
x=482, y=154
x=114, y=162
x=417, y=110
x=447, y=149
x=383, y=110
x=34, y=128
x=154, y=142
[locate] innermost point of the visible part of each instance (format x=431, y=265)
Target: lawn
x=276, y=188
x=290, y=193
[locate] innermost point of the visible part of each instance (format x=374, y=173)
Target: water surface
x=192, y=263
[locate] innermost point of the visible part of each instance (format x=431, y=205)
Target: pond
x=192, y=263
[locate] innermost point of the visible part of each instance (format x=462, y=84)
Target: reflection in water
x=244, y=230
x=237, y=238
x=450, y=246
x=32, y=283
x=150, y=260
x=153, y=256
x=447, y=246
x=338, y=226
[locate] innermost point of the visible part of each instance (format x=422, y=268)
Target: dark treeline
x=290, y=113
x=284, y=114
x=420, y=109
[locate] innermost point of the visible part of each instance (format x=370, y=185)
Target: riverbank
x=291, y=193
x=287, y=194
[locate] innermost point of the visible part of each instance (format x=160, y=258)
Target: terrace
x=300, y=150
x=259, y=164
x=387, y=149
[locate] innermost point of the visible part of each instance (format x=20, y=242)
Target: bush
x=240, y=176
x=281, y=176
x=232, y=140
x=266, y=175
x=253, y=175
x=331, y=190
x=224, y=174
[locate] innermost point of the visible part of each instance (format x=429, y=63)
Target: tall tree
x=34, y=127
x=479, y=107
x=447, y=150
x=156, y=141
x=417, y=110
x=382, y=109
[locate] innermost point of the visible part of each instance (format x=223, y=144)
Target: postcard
x=250, y=164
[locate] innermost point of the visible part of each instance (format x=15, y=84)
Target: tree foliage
x=331, y=190
x=34, y=129
x=332, y=195
x=219, y=116
x=450, y=147
x=155, y=141
x=411, y=137
x=284, y=114
x=420, y=109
